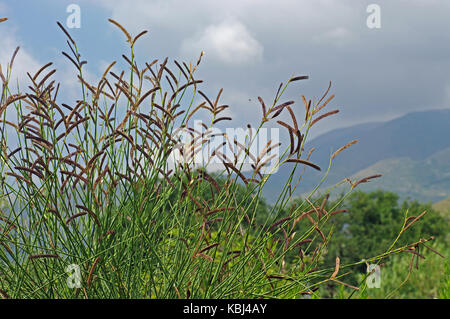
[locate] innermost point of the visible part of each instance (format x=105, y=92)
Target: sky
x=252, y=45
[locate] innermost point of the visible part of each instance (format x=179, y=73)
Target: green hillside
x=424, y=180
x=443, y=206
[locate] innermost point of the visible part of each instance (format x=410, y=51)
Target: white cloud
x=229, y=42
x=23, y=63
x=337, y=36
x=326, y=39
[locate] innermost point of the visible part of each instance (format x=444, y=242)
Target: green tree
x=374, y=219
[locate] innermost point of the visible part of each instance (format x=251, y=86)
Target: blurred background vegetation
x=370, y=225
x=368, y=228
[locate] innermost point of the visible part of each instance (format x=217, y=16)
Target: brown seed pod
x=128, y=36
x=300, y=161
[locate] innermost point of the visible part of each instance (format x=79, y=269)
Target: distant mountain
x=412, y=152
